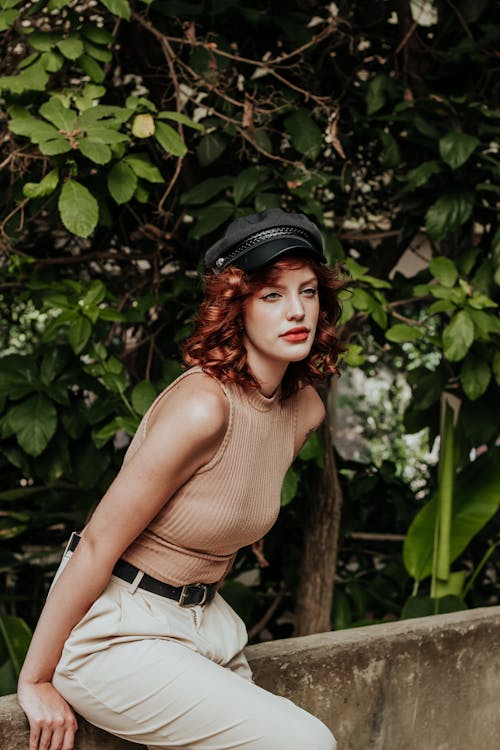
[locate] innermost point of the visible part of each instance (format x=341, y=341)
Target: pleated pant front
x=145, y=669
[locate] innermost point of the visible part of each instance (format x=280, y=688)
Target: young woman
x=134, y=635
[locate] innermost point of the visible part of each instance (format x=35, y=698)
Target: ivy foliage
x=134, y=131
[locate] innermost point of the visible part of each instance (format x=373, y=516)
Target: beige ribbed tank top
x=230, y=502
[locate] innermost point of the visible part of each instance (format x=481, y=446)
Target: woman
x=134, y=634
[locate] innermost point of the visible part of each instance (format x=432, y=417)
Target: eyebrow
x=312, y=280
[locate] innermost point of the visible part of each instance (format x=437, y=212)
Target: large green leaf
x=120, y=8
x=78, y=209
x=34, y=421
x=15, y=636
x=245, y=184
x=55, y=112
x=444, y=270
x=448, y=213
x=210, y=218
x=307, y=137
x=143, y=168
x=210, y=147
x=475, y=376
x=18, y=375
x=71, y=47
x=455, y=148
x=94, y=150
x=143, y=396
x=290, y=485
x=476, y=500
x=402, y=332
x=79, y=333
x=421, y=174
x=458, y=336
x=204, y=191
x=170, y=140
x=424, y=606
x=122, y=182
x=179, y=117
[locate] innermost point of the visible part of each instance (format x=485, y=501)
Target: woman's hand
x=52, y=721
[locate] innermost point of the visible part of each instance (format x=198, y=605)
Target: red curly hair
x=217, y=343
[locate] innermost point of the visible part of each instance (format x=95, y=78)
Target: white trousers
x=145, y=669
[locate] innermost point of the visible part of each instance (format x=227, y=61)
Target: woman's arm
x=184, y=433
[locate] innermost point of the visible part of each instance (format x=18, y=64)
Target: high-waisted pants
x=145, y=669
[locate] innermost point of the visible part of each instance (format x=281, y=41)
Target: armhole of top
x=295, y=419
x=220, y=450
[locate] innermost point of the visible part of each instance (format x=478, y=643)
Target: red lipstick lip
x=300, y=329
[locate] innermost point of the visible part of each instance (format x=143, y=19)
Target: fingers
x=59, y=735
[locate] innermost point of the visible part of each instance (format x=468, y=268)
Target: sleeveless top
x=230, y=502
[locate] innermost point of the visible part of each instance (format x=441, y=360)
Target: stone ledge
x=432, y=683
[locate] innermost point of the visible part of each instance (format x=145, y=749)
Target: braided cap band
x=260, y=238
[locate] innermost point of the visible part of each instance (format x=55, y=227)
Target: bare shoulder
x=310, y=414
x=197, y=402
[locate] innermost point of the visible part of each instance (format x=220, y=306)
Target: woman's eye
x=271, y=296
x=310, y=291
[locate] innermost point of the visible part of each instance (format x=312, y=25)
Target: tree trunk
x=319, y=552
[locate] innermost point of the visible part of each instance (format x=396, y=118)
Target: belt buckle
x=185, y=593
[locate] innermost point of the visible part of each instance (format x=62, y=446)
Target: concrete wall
x=429, y=684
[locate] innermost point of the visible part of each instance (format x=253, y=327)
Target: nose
x=295, y=308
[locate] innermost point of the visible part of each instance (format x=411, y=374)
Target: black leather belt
x=186, y=596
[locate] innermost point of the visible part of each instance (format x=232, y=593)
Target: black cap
x=254, y=241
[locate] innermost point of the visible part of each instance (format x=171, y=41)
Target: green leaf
x=341, y=615
x=290, y=485
x=120, y=8
x=34, y=421
x=79, y=333
x=448, y=213
x=210, y=218
x=170, y=140
x=34, y=78
x=143, y=168
x=391, y=155
x=183, y=119
x=421, y=174
x=55, y=112
x=245, y=184
x=7, y=18
x=143, y=396
x=312, y=450
x=23, y=123
x=78, y=209
x=44, y=187
x=94, y=150
x=376, y=93
x=122, y=182
x=60, y=145
x=307, y=138
x=95, y=294
x=97, y=34
x=444, y=270
x=402, y=332
x=455, y=148
x=424, y=606
x=16, y=636
x=210, y=147
x=458, y=336
x=71, y=47
x=475, y=376
x=91, y=68
x=496, y=366
x=53, y=363
x=354, y=355
x=476, y=500
x=206, y=190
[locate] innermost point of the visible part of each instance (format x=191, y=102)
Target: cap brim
x=268, y=252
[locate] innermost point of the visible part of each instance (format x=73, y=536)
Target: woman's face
x=280, y=319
